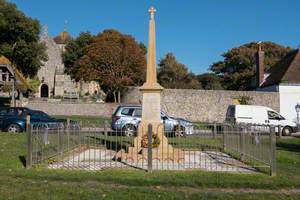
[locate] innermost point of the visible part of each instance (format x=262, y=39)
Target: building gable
x=285, y=71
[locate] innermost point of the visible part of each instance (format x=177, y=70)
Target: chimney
x=260, y=65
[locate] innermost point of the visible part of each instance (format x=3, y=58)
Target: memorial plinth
x=151, y=113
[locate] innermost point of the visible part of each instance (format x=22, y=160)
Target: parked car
x=259, y=115
x=128, y=118
x=14, y=119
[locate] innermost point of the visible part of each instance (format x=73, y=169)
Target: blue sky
x=196, y=31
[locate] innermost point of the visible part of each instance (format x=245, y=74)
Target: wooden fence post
x=272, y=151
x=149, y=148
x=29, y=143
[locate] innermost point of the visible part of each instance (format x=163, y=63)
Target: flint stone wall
x=47, y=70
x=194, y=105
x=203, y=105
x=69, y=109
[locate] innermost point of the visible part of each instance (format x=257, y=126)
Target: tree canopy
x=210, y=81
x=74, y=51
x=19, y=39
x=113, y=59
x=238, y=67
x=172, y=74
x=116, y=61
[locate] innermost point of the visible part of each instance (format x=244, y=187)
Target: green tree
x=210, y=81
x=143, y=47
x=74, y=51
x=114, y=60
x=172, y=74
x=19, y=39
x=238, y=67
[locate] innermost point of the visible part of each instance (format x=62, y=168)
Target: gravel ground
x=97, y=159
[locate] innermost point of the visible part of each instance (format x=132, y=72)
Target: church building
x=54, y=81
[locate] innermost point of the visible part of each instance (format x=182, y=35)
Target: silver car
x=127, y=119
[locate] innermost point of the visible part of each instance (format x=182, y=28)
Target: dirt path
x=237, y=190
x=192, y=190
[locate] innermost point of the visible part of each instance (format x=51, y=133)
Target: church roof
x=62, y=38
x=285, y=71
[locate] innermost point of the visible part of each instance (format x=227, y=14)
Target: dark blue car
x=14, y=119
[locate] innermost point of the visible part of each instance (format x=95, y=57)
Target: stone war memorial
x=151, y=109
x=153, y=146
x=146, y=100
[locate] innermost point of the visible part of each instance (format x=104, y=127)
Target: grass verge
x=18, y=183
x=87, y=121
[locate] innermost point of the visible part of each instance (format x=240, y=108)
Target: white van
x=259, y=115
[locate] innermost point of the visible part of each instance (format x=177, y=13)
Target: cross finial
x=152, y=10
x=65, y=25
x=259, y=45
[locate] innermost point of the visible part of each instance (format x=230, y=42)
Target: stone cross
x=151, y=89
x=259, y=46
x=65, y=26
x=152, y=10
x=151, y=79
x=151, y=109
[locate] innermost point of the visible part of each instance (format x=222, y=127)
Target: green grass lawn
x=87, y=121
x=16, y=182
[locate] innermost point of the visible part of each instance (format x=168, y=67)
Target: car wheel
x=129, y=130
x=286, y=131
x=179, y=131
x=13, y=128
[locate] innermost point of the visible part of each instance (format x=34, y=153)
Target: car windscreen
x=163, y=115
x=273, y=115
x=116, y=110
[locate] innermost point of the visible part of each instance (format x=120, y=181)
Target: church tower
x=62, y=39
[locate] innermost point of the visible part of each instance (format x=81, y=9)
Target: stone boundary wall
x=194, y=105
x=68, y=109
x=203, y=105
